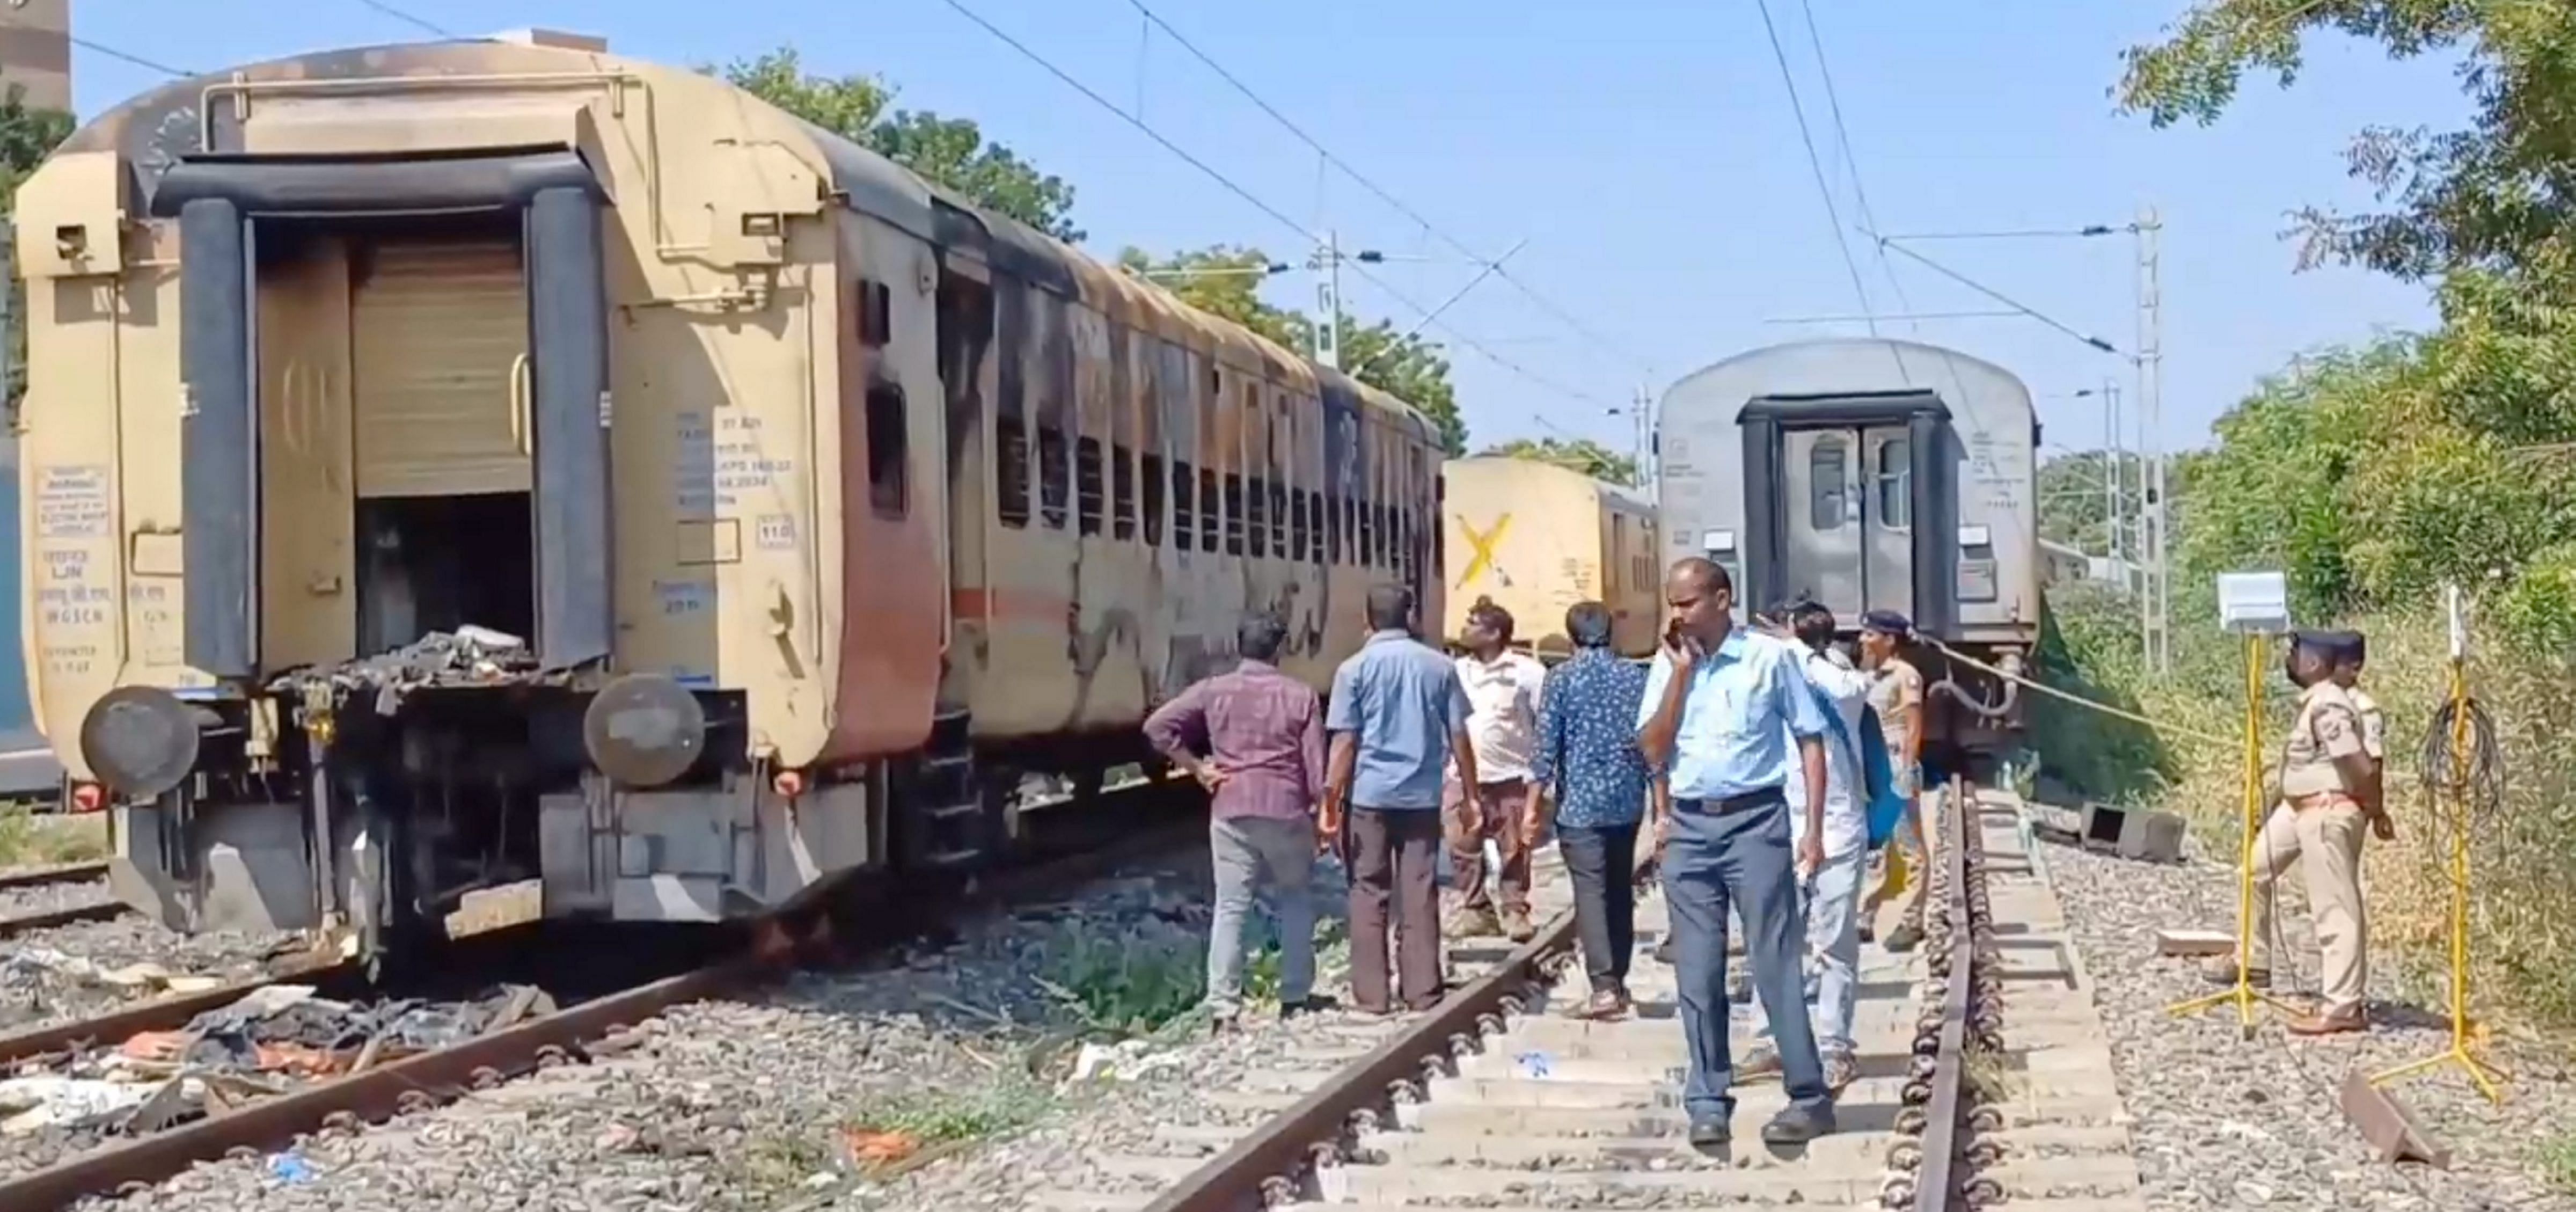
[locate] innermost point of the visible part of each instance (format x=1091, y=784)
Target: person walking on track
x=2330, y=793
x=1832, y=891
x=1588, y=756
x=1503, y=802
x=1397, y=715
x=1721, y=708
x=1255, y=739
x=1896, y=695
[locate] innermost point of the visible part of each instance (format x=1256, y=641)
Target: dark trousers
x=1394, y=860
x=1736, y=851
x=1603, y=862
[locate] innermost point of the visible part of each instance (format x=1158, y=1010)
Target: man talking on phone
x=1721, y=711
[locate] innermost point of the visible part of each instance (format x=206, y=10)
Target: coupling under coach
x=461, y=464
x=1871, y=474
x=1538, y=537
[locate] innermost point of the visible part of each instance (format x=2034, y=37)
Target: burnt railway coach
x=1871, y=474
x=458, y=464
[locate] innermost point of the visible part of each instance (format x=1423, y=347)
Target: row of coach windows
x=1109, y=487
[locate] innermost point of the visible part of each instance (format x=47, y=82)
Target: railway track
x=599, y=1011
x=1499, y=1100
x=47, y=883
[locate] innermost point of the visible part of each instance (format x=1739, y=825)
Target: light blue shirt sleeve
x=1658, y=675
x=1458, y=708
x=1788, y=693
x=1342, y=713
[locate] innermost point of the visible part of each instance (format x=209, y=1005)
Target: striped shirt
x=1264, y=729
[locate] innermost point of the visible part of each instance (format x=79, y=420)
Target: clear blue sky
x=1647, y=151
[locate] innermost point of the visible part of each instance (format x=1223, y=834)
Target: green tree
x=950, y=152
x=27, y=135
x=1582, y=454
x=1225, y=280
x=2495, y=195
x=2075, y=504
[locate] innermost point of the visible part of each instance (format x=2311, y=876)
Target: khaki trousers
x=2325, y=840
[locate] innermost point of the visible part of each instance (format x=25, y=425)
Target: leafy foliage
x=1582, y=454
x=950, y=152
x=2495, y=196
x=27, y=135
x=2075, y=503
x=1225, y=280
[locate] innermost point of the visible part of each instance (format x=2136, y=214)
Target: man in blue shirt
x=1397, y=714
x=1720, y=712
x=1588, y=756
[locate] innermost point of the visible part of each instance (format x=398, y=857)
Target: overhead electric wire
x=1535, y=296
x=1816, y=164
x=2000, y=297
x=399, y=15
x=1231, y=186
x=1851, y=160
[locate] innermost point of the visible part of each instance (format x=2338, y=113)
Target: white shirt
x=1846, y=816
x=1502, y=713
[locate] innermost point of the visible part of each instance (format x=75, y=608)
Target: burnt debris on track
x=606, y=985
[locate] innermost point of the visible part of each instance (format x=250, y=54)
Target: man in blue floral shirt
x=1588, y=756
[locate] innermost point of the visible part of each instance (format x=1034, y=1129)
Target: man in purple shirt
x=1255, y=739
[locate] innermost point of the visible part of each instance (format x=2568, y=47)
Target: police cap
x=1887, y=622
x=2332, y=645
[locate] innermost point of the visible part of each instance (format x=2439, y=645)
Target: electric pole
x=1644, y=409
x=1328, y=302
x=2155, y=604
x=2113, y=469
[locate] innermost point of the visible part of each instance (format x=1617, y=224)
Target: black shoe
x=1710, y=1132
x=1798, y=1124
x=1317, y=1004
x=1664, y=951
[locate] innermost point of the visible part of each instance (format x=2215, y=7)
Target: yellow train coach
x=1539, y=537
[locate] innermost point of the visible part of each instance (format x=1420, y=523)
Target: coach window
x=1368, y=535
x=876, y=314
x=1297, y=533
x=1234, y=513
x=1317, y=520
x=1055, y=486
x=1153, y=479
x=1895, y=475
x=1122, y=493
x=1011, y=468
x=1279, y=520
x=889, y=484
x=1256, y=523
x=1207, y=510
x=1184, y=507
x=1086, y=484
x=1825, y=505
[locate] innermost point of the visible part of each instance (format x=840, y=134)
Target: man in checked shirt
x=1255, y=739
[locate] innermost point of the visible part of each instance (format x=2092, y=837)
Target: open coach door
x=420, y=414
x=570, y=414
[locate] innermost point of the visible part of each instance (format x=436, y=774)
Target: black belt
x=1733, y=803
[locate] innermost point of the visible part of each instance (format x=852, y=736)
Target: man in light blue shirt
x=1722, y=710
x=1397, y=714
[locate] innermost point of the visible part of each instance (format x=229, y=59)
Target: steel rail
x=1934, y=1182
x=50, y=918
x=58, y=873
x=1290, y=1141
x=426, y=1080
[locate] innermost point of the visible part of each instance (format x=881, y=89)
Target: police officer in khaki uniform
x=2374, y=724
x=2330, y=792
